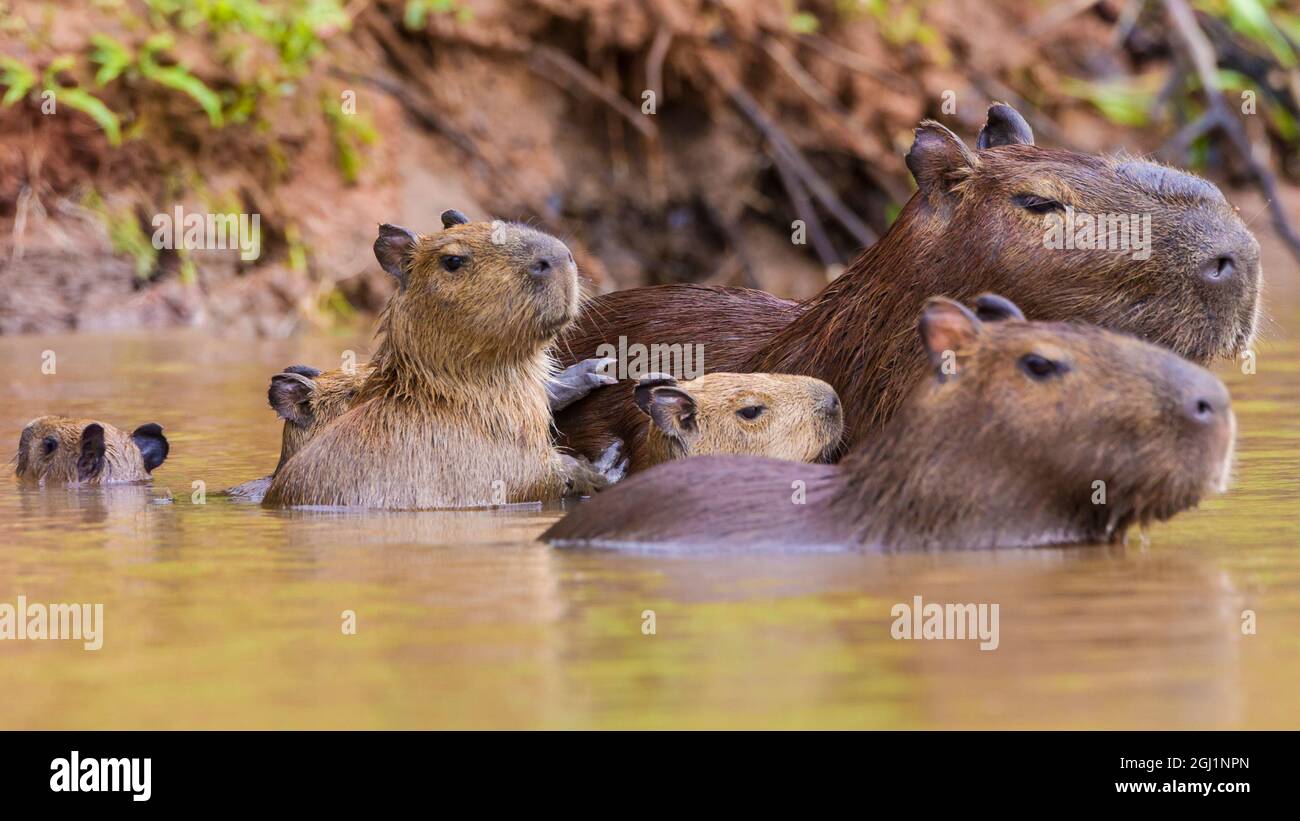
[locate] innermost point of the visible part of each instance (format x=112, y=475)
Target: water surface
x=225, y=615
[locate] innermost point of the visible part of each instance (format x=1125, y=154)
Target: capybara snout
x=77, y=451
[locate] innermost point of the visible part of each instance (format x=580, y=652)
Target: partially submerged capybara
x=977, y=223
x=455, y=410
x=58, y=449
x=1026, y=433
x=307, y=400
x=756, y=414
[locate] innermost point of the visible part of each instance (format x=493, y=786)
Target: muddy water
x=226, y=615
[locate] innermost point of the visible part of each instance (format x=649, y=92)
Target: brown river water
x=225, y=615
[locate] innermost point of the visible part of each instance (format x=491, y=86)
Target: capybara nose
x=1220, y=269
x=830, y=405
x=1205, y=400
x=545, y=265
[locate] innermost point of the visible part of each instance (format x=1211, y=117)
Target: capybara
x=59, y=449
x=1026, y=434
x=756, y=414
x=455, y=410
x=978, y=222
x=307, y=399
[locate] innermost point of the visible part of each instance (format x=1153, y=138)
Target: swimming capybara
x=86, y=451
x=307, y=399
x=756, y=414
x=455, y=410
x=977, y=223
x=1026, y=434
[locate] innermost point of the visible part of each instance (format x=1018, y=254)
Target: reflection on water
x=226, y=615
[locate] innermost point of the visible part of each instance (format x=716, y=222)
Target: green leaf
x=92, y=106
x=112, y=56
x=18, y=77
x=803, y=22
x=178, y=78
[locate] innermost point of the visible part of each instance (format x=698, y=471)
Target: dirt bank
x=666, y=141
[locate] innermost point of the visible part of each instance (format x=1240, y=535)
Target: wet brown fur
x=960, y=234
x=121, y=459
x=988, y=457
x=454, y=412
x=801, y=420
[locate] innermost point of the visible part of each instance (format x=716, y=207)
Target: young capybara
x=307, y=399
x=755, y=414
x=455, y=410
x=978, y=222
x=58, y=449
x=1027, y=433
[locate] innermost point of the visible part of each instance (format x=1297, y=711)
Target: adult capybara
x=1027, y=433
x=87, y=451
x=454, y=412
x=756, y=414
x=981, y=220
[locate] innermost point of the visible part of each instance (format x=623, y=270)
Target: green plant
x=125, y=234
x=349, y=132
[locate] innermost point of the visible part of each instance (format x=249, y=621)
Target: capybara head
x=1029, y=429
x=307, y=399
x=476, y=290
x=59, y=449
x=1116, y=241
x=776, y=415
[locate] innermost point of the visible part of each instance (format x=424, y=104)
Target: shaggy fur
x=984, y=455
x=454, y=411
x=966, y=230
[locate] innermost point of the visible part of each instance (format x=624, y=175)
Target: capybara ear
x=936, y=155
x=24, y=445
x=946, y=327
x=1005, y=126
x=91, y=459
x=290, y=395
x=152, y=444
x=452, y=217
x=994, y=308
x=393, y=249
x=673, y=411
x=306, y=370
x=644, y=386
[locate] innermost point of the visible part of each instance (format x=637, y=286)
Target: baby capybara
x=1025, y=434
x=755, y=414
x=978, y=222
x=58, y=449
x=454, y=412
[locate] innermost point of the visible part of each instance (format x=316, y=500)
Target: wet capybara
x=455, y=411
x=59, y=449
x=756, y=414
x=307, y=399
x=1026, y=434
x=978, y=222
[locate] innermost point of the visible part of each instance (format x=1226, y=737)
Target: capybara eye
x=1040, y=367
x=1037, y=205
x=751, y=412
x=453, y=263
x=48, y=445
